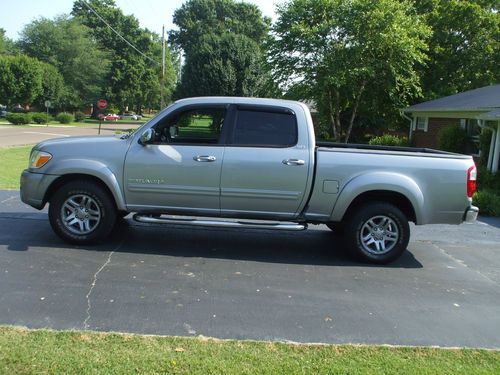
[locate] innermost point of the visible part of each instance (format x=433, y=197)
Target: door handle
x=204, y=158
x=293, y=162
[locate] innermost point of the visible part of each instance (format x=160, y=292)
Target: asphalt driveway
x=251, y=284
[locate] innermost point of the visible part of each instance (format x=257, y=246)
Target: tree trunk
x=333, y=120
x=354, y=111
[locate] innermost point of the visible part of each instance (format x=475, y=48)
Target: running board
x=166, y=219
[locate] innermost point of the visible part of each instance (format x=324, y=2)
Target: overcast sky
x=151, y=13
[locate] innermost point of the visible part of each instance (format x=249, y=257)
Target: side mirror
x=146, y=137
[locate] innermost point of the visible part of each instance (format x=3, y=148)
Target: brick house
x=473, y=110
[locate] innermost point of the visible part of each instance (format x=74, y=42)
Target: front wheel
x=82, y=212
x=377, y=232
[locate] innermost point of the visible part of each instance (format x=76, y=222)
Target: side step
x=183, y=220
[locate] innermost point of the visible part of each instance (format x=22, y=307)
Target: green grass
x=48, y=352
x=12, y=162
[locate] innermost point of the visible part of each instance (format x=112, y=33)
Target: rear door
x=265, y=169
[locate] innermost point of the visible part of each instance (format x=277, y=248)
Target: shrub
x=488, y=202
x=19, y=118
x=452, y=138
x=389, y=140
x=40, y=117
x=484, y=145
x=80, y=116
x=64, y=118
x=486, y=180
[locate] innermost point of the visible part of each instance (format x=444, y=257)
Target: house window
x=421, y=123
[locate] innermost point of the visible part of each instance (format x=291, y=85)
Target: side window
x=193, y=126
x=261, y=128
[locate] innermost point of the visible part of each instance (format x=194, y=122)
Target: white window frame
x=426, y=124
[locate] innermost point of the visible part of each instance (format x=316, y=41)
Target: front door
x=179, y=170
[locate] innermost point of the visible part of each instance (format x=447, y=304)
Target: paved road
x=252, y=284
x=25, y=135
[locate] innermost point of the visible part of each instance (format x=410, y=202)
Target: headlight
x=39, y=158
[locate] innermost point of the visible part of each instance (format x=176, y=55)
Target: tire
x=82, y=212
x=377, y=232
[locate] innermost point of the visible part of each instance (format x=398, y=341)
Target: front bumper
x=34, y=186
x=470, y=214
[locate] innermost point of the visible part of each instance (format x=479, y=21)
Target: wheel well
x=72, y=177
x=391, y=197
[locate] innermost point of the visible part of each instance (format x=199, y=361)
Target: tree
x=20, y=79
x=464, y=49
x=196, y=18
x=348, y=54
x=229, y=64
x=53, y=87
x=223, y=44
x=67, y=45
x=134, y=77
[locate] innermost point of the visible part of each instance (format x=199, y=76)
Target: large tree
x=68, y=45
x=223, y=45
x=346, y=54
x=20, y=79
x=464, y=49
x=134, y=77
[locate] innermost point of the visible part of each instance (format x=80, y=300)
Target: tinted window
x=259, y=128
x=200, y=126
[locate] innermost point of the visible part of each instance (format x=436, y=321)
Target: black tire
x=381, y=240
x=79, y=192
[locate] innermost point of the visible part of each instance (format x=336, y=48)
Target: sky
x=151, y=13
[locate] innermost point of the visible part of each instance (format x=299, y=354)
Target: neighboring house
x=472, y=110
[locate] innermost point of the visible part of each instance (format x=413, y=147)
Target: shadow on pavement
x=493, y=221
x=19, y=232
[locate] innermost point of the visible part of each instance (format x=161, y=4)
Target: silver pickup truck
x=247, y=162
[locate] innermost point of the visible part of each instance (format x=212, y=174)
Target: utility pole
x=162, y=87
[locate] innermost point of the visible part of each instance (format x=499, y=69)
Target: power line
x=117, y=33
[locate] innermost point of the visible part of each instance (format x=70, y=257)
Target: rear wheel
x=82, y=212
x=377, y=232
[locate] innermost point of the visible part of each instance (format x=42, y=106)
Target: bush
x=64, y=118
x=484, y=145
x=40, y=117
x=486, y=180
x=19, y=118
x=452, y=139
x=80, y=116
x=389, y=140
x=488, y=202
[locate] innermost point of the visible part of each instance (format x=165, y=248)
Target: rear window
x=267, y=129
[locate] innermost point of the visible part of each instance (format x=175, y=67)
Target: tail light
x=471, y=180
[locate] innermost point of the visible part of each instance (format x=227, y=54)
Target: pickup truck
x=247, y=162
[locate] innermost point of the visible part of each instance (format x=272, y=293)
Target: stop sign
x=102, y=103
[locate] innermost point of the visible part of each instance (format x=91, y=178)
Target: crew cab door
x=179, y=170
x=266, y=163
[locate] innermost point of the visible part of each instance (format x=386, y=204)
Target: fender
x=381, y=181
x=92, y=168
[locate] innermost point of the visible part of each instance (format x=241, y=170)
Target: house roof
x=483, y=98
x=492, y=115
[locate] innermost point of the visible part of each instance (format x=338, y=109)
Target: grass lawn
x=53, y=352
x=12, y=162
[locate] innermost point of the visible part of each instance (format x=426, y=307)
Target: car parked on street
x=130, y=116
x=109, y=117
x=247, y=163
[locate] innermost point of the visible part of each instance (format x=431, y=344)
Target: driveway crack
x=94, y=282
